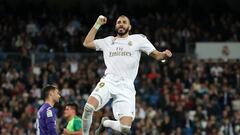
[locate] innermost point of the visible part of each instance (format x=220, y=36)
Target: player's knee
x=94, y=100
x=125, y=129
x=88, y=108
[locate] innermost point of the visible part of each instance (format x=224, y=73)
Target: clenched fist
x=100, y=21
x=167, y=53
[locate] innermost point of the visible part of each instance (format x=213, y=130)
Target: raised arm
x=157, y=55
x=88, y=42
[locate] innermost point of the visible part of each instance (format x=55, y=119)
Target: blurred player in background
x=46, y=115
x=74, y=126
x=121, y=56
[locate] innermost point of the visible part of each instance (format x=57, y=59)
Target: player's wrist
x=97, y=25
x=165, y=56
x=100, y=21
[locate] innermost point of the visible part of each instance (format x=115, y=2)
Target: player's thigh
x=124, y=105
x=100, y=95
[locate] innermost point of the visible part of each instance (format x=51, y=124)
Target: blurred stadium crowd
x=184, y=97
x=65, y=33
x=188, y=97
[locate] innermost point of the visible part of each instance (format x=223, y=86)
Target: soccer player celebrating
x=121, y=55
x=74, y=126
x=46, y=115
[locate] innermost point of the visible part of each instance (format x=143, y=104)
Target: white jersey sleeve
x=144, y=44
x=100, y=44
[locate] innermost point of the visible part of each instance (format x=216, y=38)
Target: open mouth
x=121, y=29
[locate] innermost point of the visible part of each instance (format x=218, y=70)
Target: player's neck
x=50, y=102
x=122, y=36
x=70, y=117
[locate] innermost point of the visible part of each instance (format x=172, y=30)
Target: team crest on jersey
x=101, y=84
x=130, y=43
x=49, y=113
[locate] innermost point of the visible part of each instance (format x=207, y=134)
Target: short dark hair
x=74, y=106
x=47, y=89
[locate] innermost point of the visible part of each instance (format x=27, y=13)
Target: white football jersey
x=122, y=55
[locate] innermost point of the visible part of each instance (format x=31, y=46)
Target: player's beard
x=121, y=33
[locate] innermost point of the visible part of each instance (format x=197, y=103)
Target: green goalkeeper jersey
x=75, y=124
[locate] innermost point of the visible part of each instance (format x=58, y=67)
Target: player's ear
x=50, y=93
x=130, y=27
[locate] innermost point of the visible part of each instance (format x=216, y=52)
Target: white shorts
x=122, y=92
